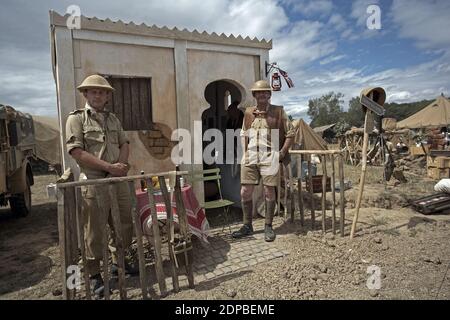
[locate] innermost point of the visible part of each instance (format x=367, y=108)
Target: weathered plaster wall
x=140, y=61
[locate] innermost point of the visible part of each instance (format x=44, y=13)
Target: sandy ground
x=409, y=251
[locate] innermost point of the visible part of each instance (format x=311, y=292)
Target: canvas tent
x=436, y=114
x=306, y=138
x=47, y=139
x=322, y=129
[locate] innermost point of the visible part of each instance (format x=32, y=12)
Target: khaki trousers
x=95, y=219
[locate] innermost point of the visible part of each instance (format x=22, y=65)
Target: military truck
x=17, y=147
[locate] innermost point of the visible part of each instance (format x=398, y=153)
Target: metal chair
x=213, y=175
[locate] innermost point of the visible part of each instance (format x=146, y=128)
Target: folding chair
x=213, y=175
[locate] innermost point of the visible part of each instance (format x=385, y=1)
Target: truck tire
x=21, y=202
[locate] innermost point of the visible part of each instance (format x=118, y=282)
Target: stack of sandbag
x=443, y=186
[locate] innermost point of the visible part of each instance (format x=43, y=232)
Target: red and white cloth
x=196, y=216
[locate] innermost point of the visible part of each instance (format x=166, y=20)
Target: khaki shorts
x=251, y=174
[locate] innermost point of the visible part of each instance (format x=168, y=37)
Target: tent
x=47, y=139
x=306, y=138
x=436, y=114
x=322, y=129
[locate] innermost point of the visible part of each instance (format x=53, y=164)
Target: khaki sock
x=270, y=210
x=247, y=208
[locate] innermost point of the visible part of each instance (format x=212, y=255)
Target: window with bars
x=131, y=102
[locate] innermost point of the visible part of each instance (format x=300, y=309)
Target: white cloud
x=423, y=81
x=27, y=81
x=427, y=22
x=312, y=7
x=332, y=59
x=305, y=42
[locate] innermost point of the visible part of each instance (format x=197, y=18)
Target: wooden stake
x=324, y=192
x=167, y=202
x=115, y=213
x=157, y=239
x=341, y=194
x=291, y=193
x=363, y=170
x=311, y=193
x=333, y=192
x=184, y=229
x=140, y=245
x=62, y=242
x=101, y=206
x=286, y=191
x=299, y=190
x=279, y=191
x=82, y=243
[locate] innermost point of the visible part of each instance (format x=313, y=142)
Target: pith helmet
x=95, y=81
x=379, y=95
x=261, y=85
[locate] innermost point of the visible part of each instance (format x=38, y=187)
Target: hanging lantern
x=276, y=82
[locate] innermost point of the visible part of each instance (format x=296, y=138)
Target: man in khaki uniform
x=96, y=140
x=268, y=133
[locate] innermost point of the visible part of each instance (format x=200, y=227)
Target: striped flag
x=286, y=78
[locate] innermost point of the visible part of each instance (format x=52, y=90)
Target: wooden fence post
x=184, y=228
x=311, y=193
x=156, y=239
x=140, y=245
x=324, y=193
x=170, y=226
x=112, y=191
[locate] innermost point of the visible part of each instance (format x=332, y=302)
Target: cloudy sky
x=324, y=45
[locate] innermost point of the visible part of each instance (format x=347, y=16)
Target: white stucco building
x=164, y=79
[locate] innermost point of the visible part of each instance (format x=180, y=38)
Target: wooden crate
x=417, y=151
x=438, y=162
x=317, y=184
x=438, y=173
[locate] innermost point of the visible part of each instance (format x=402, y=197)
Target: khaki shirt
x=260, y=137
x=99, y=133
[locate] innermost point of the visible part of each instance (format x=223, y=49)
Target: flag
x=288, y=80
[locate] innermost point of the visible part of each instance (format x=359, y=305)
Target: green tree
x=326, y=109
x=355, y=113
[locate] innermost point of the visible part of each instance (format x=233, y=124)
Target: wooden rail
x=71, y=232
x=325, y=156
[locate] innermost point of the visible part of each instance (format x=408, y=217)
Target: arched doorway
x=224, y=98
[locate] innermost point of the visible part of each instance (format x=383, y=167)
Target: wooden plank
x=70, y=233
x=333, y=193
x=286, y=207
x=170, y=226
x=71, y=208
x=341, y=194
x=82, y=243
x=104, y=181
x=140, y=245
x=299, y=190
x=101, y=207
x=368, y=127
x=115, y=213
x=126, y=105
x=184, y=228
x=324, y=193
x=317, y=152
x=150, y=99
x=62, y=242
x=291, y=194
x=135, y=107
x=157, y=239
x=311, y=194
x=118, y=106
x=144, y=104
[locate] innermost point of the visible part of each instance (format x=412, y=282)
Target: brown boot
x=247, y=228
